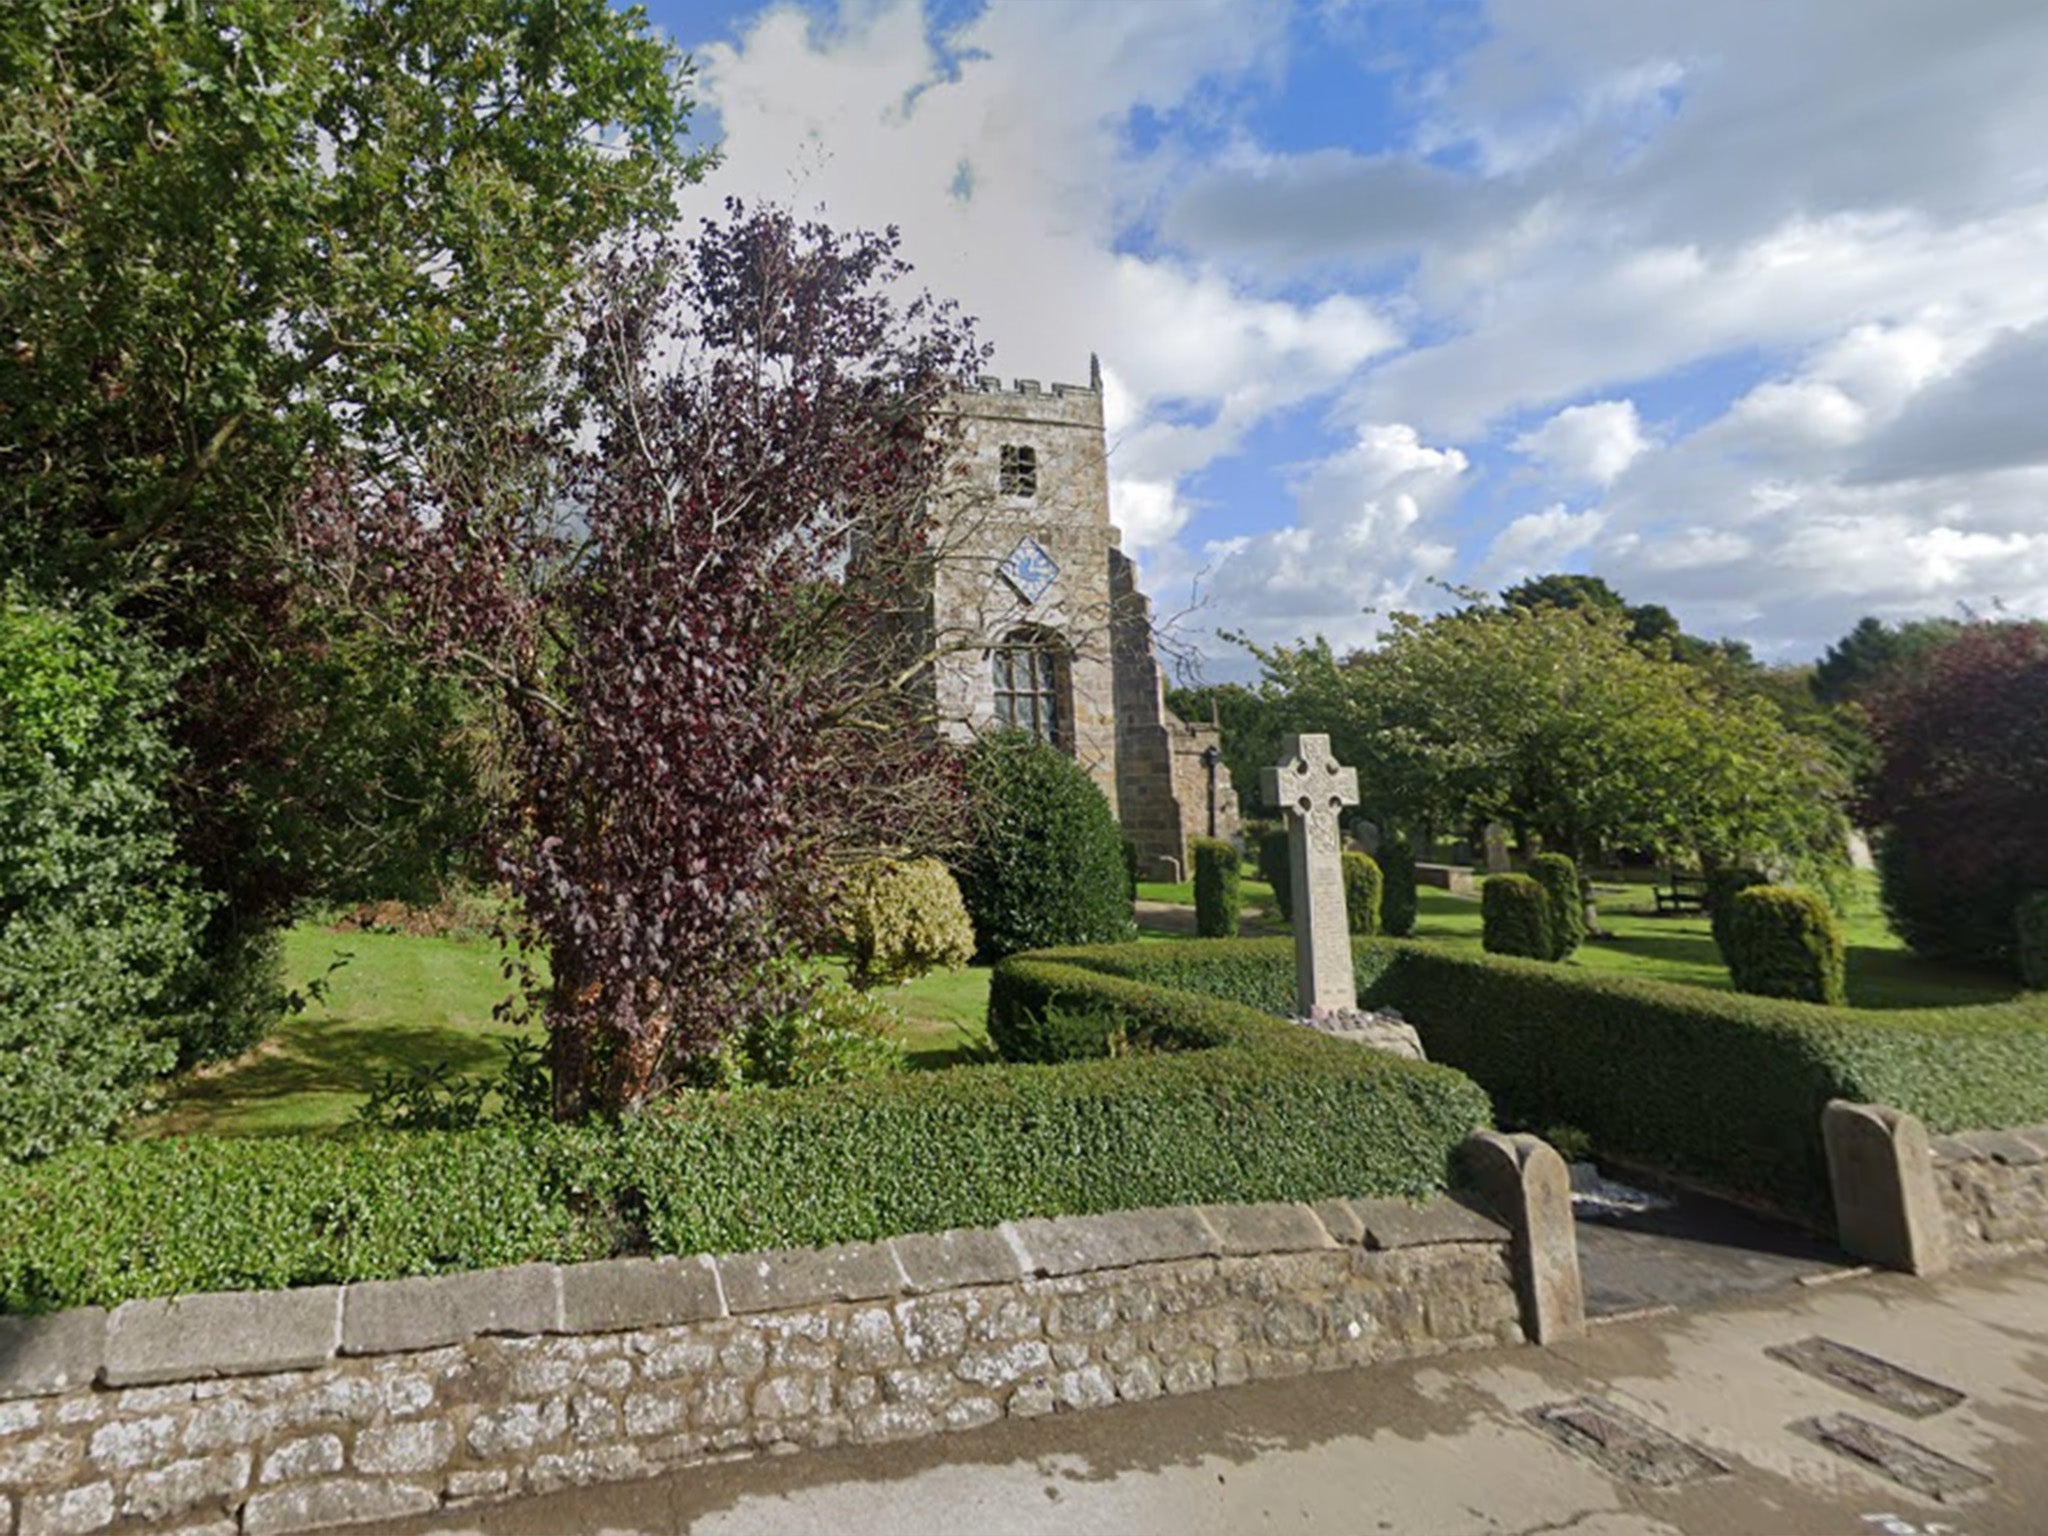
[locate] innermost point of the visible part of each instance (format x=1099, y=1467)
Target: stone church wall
x=1114, y=718
x=1163, y=794
x=975, y=607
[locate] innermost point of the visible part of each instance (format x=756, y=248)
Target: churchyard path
x=1845, y=1404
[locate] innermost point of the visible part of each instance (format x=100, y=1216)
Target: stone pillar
x=1881, y=1170
x=1530, y=1189
x=1312, y=787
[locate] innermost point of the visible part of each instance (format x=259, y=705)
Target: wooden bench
x=1681, y=893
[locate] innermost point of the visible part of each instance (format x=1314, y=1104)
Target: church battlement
x=992, y=384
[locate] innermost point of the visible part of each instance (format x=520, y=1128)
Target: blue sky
x=1742, y=305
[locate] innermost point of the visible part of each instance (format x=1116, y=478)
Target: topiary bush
x=1362, y=891
x=1218, y=877
x=901, y=918
x=1723, y=885
x=2030, y=932
x=1785, y=942
x=1559, y=877
x=1514, y=917
x=100, y=925
x=1045, y=865
x=1399, y=899
x=1276, y=869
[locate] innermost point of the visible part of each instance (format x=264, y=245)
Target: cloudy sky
x=1741, y=304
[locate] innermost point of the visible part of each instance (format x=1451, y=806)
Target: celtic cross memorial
x=1312, y=787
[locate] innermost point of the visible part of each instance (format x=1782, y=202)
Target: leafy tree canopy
x=1555, y=721
x=1875, y=655
x=1649, y=624
x=235, y=234
x=1961, y=790
x=234, y=230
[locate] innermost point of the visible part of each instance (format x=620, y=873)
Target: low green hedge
x=1723, y=1087
x=1217, y=1103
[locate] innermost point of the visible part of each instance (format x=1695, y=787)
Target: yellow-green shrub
x=902, y=918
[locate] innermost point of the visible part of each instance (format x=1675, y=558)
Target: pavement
x=1671, y=1423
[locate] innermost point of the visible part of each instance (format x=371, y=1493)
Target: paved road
x=1450, y=1447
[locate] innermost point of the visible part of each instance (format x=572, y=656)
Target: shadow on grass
x=303, y=1070
x=1674, y=949
x=1879, y=980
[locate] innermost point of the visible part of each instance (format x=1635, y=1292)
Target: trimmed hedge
x=1218, y=1103
x=1559, y=877
x=1514, y=917
x=1046, y=862
x=1399, y=902
x=1784, y=942
x=1723, y=886
x=1362, y=888
x=1219, y=903
x=2030, y=933
x=1722, y=1087
x=1276, y=868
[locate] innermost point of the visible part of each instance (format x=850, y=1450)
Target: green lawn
x=403, y=1001
x=1680, y=948
x=399, y=1002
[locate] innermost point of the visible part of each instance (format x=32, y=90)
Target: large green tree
x=1876, y=655
x=234, y=235
x=1557, y=722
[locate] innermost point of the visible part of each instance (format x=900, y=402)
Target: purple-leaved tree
x=693, y=599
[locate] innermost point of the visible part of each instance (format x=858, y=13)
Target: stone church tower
x=1040, y=625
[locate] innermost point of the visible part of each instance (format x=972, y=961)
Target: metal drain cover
x=1624, y=1444
x=1887, y=1385
x=1904, y=1461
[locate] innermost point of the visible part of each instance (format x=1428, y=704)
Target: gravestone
x=1498, y=861
x=1312, y=787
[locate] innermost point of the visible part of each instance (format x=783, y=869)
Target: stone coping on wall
x=256, y=1414
x=240, y=1333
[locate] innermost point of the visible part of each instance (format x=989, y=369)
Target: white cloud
x=1990, y=414
x=1365, y=537
x=1012, y=197
x=1537, y=542
x=1831, y=212
x=1587, y=444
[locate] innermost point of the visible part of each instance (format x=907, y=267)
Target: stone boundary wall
x=1924, y=1205
x=1993, y=1187
x=257, y=1414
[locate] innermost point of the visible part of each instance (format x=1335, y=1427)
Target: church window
x=1029, y=679
x=1018, y=475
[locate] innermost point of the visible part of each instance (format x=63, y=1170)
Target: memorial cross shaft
x=1312, y=787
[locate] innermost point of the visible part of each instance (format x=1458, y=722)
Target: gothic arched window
x=1030, y=684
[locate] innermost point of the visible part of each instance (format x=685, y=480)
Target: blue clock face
x=1029, y=569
